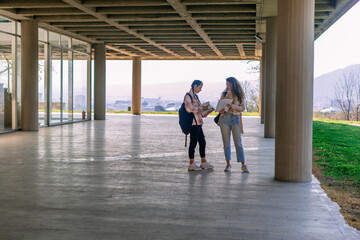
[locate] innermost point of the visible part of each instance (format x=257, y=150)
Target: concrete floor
x=127, y=178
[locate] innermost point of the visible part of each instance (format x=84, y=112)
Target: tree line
x=347, y=92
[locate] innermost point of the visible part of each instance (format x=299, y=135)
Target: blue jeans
x=231, y=123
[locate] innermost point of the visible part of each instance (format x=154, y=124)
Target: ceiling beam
x=123, y=3
x=222, y=8
x=342, y=7
x=67, y=33
x=80, y=24
x=197, y=54
x=135, y=10
x=31, y=4
x=144, y=17
x=93, y=29
x=155, y=28
x=196, y=44
x=224, y=16
x=240, y=48
x=66, y=18
x=180, y=32
x=219, y=2
x=229, y=57
x=122, y=51
x=180, y=9
x=148, y=22
x=92, y=11
x=236, y=22
x=142, y=50
x=48, y=11
x=231, y=32
x=228, y=27
x=12, y=15
x=100, y=33
x=324, y=8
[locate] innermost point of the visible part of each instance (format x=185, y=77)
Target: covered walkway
x=127, y=178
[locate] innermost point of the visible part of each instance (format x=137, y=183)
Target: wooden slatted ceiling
x=166, y=29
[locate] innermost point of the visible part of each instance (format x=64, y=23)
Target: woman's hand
x=222, y=111
x=229, y=105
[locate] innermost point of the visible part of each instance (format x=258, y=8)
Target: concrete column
x=262, y=84
x=136, y=86
x=294, y=90
x=29, y=76
x=271, y=36
x=99, y=82
x=89, y=85
x=7, y=109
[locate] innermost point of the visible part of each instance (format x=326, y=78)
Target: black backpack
x=186, y=119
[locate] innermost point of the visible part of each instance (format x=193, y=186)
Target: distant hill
x=323, y=89
x=176, y=91
x=170, y=91
x=324, y=86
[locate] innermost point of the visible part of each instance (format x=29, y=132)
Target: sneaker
x=245, y=169
x=228, y=168
x=194, y=167
x=206, y=165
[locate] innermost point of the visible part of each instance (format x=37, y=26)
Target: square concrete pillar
x=100, y=82
x=136, y=86
x=29, y=76
x=262, y=83
x=270, y=90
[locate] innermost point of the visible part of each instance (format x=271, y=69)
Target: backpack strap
x=191, y=102
x=189, y=96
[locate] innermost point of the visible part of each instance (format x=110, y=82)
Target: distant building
x=169, y=105
x=122, y=105
x=159, y=108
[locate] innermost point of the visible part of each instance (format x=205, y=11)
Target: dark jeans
x=197, y=135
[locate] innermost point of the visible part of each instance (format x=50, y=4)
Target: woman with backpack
x=193, y=105
x=230, y=122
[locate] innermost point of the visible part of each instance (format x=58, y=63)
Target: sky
x=336, y=48
x=165, y=71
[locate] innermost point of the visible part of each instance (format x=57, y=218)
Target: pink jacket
x=194, y=107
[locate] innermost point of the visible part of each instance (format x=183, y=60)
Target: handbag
x=217, y=119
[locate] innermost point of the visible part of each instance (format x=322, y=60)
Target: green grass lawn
x=336, y=164
x=337, y=121
x=337, y=150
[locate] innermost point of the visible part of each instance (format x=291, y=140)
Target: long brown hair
x=236, y=88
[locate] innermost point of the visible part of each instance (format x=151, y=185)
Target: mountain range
x=211, y=91
x=324, y=86
x=324, y=91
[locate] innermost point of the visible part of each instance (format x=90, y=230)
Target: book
x=222, y=104
x=206, y=109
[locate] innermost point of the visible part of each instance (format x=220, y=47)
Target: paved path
x=127, y=178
